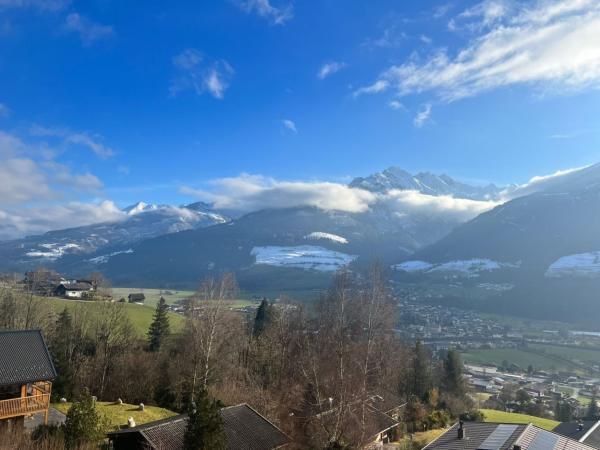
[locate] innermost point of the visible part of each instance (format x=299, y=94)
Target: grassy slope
x=140, y=316
x=422, y=437
x=117, y=415
x=492, y=415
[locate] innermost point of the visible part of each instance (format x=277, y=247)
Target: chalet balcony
x=35, y=399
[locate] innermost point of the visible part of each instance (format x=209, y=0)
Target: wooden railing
x=15, y=407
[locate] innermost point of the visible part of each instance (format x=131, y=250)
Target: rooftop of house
x=24, y=358
x=587, y=431
x=245, y=428
x=496, y=436
x=78, y=286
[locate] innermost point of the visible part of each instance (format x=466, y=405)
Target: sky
x=105, y=103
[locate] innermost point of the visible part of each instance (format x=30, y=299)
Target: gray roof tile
x=24, y=358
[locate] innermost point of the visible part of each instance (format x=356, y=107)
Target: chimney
x=579, y=425
x=517, y=447
x=461, y=430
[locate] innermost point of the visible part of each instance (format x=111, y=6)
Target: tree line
x=314, y=369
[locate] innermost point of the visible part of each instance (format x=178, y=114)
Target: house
x=42, y=282
x=26, y=375
x=74, y=289
x=586, y=431
x=499, y=436
x=136, y=298
x=244, y=427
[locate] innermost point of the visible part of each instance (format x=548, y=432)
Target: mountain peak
x=425, y=182
x=139, y=207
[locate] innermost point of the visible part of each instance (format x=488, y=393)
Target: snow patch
x=467, y=266
x=316, y=235
x=104, y=258
x=52, y=251
x=413, y=266
x=302, y=257
x=578, y=265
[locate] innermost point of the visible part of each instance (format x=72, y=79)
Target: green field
x=139, y=315
x=581, y=355
x=491, y=415
x=117, y=415
x=520, y=357
x=152, y=295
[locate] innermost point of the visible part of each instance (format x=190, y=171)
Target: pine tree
x=61, y=349
x=452, y=377
x=421, y=376
x=593, y=412
x=159, y=328
x=204, y=430
x=163, y=395
x=263, y=319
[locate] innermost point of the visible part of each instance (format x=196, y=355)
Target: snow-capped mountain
x=99, y=242
x=426, y=183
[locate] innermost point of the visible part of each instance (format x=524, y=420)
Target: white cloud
x=123, y=170
x=459, y=209
x=74, y=138
x=4, y=110
x=375, y=88
x=88, y=31
x=330, y=68
x=540, y=182
x=36, y=220
x=276, y=15
x=254, y=192
x=423, y=115
x=396, y=104
x=425, y=39
x=201, y=77
x=552, y=45
x=290, y=125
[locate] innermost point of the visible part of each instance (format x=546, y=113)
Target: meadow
x=491, y=415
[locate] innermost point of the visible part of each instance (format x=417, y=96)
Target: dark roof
x=78, y=286
x=481, y=435
x=245, y=429
x=24, y=358
x=136, y=296
x=588, y=434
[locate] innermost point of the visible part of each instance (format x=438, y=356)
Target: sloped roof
x=24, y=358
x=245, y=429
x=528, y=437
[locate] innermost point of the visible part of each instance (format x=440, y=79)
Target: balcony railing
x=22, y=406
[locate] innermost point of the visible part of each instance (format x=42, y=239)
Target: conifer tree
x=264, y=318
x=159, y=328
x=61, y=349
x=204, y=430
x=421, y=376
x=452, y=376
x=593, y=412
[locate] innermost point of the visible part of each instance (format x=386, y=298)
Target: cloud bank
x=248, y=193
x=552, y=45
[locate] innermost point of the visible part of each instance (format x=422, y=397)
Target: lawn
x=139, y=315
x=422, y=438
x=520, y=357
x=491, y=415
x=117, y=415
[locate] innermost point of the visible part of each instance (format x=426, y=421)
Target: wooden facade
x=34, y=398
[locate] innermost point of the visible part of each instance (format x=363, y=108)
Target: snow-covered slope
x=317, y=235
x=467, y=267
x=97, y=243
x=302, y=257
x=579, y=265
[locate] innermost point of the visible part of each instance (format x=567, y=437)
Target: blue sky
x=110, y=101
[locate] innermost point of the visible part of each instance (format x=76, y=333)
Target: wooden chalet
x=26, y=375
